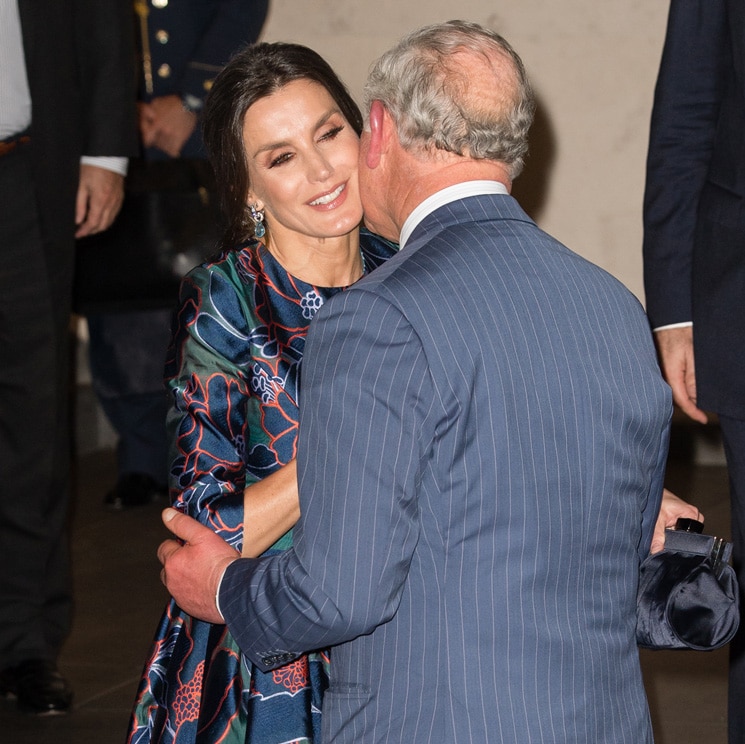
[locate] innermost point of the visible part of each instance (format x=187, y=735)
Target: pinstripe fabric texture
x=482, y=442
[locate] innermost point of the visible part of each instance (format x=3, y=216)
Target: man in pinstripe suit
x=482, y=444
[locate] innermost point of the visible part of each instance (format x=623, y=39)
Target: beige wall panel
x=593, y=64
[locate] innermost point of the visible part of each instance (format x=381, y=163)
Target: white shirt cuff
x=684, y=324
x=116, y=164
x=217, y=593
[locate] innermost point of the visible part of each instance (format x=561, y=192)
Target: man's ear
x=378, y=133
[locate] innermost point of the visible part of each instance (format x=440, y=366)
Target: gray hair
x=427, y=94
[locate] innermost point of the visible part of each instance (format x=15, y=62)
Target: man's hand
x=166, y=124
x=671, y=509
x=192, y=571
x=675, y=348
x=99, y=199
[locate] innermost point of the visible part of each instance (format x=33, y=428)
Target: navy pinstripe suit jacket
x=482, y=441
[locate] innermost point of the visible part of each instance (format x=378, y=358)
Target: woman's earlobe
x=252, y=201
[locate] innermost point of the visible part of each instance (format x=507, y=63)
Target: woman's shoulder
x=232, y=264
x=216, y=303
x=224, y=283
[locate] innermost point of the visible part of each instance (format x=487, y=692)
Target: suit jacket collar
x=472, y=209
x=444, y=196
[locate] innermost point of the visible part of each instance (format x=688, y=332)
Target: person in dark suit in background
x=65, y=91
x=694, y=232
x=483, y=435
x=182, y=45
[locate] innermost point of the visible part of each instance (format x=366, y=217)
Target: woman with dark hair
x=282, y=133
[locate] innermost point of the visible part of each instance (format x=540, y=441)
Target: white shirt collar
x=447, y=195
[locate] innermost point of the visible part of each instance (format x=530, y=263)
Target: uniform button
x=164, y=71
x=160, y=3
x=162, y=36
x=207, y=84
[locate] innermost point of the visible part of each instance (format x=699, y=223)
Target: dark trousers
x=733, y=434
x=127, y=357
x=35, y=282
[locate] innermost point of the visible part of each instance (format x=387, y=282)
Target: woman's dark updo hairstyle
x=254, y=73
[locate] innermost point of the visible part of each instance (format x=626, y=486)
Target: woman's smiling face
x=302, y=163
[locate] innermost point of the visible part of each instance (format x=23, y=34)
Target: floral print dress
x=232, y=373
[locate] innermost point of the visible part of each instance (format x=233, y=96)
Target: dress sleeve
x=210, y=398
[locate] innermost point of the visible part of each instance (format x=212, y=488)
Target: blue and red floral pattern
x=232, y=372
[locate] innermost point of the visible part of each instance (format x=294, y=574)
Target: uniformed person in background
x=120, y=286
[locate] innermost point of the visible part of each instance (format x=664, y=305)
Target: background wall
x=593, y=65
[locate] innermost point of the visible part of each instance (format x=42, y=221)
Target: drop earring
x=257, y=215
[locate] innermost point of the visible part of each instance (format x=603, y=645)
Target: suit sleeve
x=365, y=403
x=651, y=507
x=105, y=50
x=686, y=107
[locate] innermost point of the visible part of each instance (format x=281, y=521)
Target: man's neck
x=432, y=176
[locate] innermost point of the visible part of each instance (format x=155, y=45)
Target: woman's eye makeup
x=332, y=132
x=285, y=157
x=279, y=159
